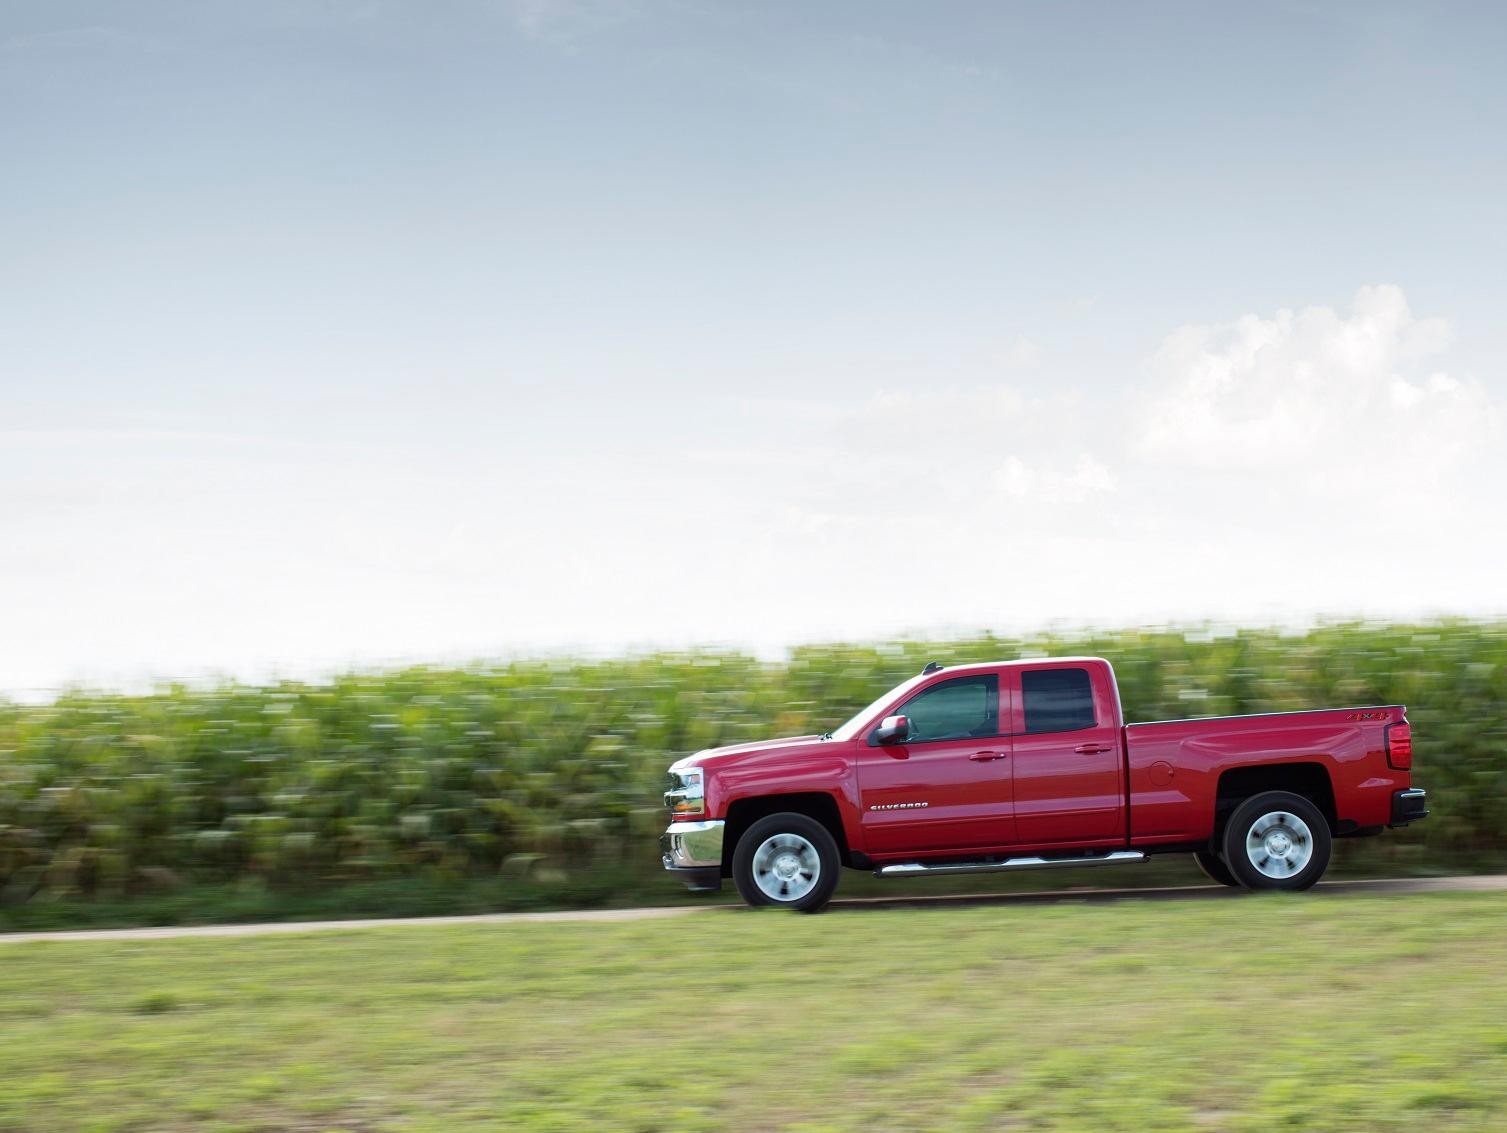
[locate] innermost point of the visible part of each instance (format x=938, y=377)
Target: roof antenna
x=931, y=667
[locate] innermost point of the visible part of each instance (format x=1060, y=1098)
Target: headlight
x=686, y=798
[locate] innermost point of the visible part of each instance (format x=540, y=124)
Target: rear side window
x=1057, y=700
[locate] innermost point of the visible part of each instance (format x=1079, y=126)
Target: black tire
x=1306, y=840
x=819, y=859
x=1214, y=868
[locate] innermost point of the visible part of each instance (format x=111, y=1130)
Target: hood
x=740, y=753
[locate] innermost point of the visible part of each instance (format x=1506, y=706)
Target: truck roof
x=981, y=666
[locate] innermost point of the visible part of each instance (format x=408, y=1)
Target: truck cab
x=995, y=756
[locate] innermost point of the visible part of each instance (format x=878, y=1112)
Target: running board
x=906, y=869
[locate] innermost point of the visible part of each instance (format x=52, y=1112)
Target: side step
x=907, y=869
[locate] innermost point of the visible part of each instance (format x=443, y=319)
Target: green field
x=1337, y=1012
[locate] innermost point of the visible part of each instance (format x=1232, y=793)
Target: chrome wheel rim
x=1279, y=844
x=786, y=867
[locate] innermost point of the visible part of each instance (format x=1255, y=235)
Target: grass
x=1339, y=1012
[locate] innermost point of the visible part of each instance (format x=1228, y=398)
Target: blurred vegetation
x=539, y=782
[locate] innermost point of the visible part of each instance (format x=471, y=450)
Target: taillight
x=1400, y=746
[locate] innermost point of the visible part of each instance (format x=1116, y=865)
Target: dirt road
x=1487, y=882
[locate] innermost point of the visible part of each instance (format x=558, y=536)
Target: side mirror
x=894, y=730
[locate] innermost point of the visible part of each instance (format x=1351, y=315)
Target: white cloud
x=1020, y=354
x=1273, y=467
x=563, y=22
x=1087, y=477
x=1327, y=409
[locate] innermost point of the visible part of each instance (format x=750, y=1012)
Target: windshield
x=850, y=729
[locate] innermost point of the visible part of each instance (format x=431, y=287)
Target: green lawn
x=1334, y=1012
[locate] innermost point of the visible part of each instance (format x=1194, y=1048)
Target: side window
x=1057, y=700
x=954, y=710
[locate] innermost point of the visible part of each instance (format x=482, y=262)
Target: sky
x=359, y=332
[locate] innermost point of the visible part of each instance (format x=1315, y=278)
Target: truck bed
x=1175, y=767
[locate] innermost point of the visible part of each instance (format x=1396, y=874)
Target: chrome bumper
x=693, y=850
x=692, y=845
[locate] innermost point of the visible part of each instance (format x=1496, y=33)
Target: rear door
x=948, y=786
x=1068, y=775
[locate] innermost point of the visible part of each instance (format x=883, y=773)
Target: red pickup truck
x=1029, y=764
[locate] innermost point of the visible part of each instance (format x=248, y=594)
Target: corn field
x=539, y=769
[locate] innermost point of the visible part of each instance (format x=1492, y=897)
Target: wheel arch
x=1307, y=778
x=818, y=805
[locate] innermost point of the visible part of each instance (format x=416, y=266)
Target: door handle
x=985, y=756
x=1092, y=749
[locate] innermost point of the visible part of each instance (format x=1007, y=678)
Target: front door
x=947, y=785
x=1068, y=769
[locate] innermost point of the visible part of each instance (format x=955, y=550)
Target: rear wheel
x=1214, y=868
x=1277, y=840
x=789, y=860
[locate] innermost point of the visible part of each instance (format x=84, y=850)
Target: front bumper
x=693, y=852
x=1409, y=806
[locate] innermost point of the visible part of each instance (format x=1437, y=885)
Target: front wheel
x=1277, y=840
x=789, y=860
